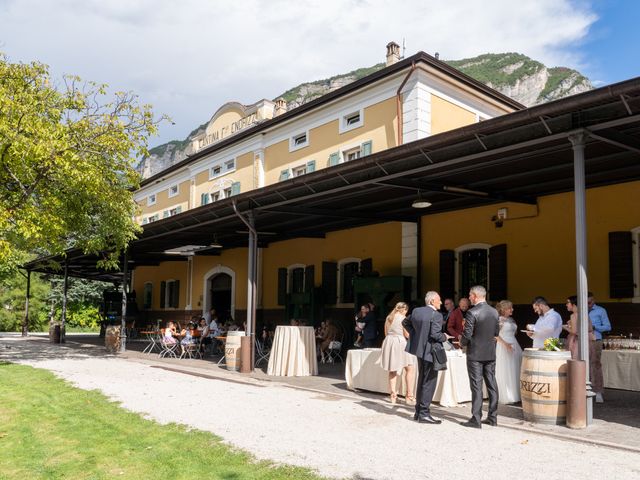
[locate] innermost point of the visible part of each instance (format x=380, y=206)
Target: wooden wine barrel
x=112, y=339
x=543, y=386
x=232, y=350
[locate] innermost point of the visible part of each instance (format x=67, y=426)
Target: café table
x=621, y=369
x=153, y=337
x=363, y=371
x=293, y=352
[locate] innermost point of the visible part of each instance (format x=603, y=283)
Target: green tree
x=66, y=164
x=12, y=302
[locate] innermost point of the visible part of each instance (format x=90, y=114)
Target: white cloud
x=188, y=58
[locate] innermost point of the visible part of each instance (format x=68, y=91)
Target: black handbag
x=439, y=356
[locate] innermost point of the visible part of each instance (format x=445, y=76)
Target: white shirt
x=214, y=330
x=548, y=325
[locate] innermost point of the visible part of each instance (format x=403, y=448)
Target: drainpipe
x=399, y=101
x=247, y=366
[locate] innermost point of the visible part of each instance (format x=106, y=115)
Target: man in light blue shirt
x=549, y=324
x=601, y=324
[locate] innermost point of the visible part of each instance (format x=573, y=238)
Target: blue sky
x=611, y=49
x=190, y=57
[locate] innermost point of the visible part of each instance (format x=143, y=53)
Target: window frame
x=345, y=152
x=152, y=202
x=344, y=121
x=299, y=170
x=168, y=296
x=340, y=303
x=290, y=270
x=177, y=192
x=458, y=266
x=213, y=174
x=293, y=145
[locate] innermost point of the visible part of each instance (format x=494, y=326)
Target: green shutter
x=204, y=199
x=165, y=214
x=163, y=293
x=334, y=159
x=282, y=286
x=175, y=300
x=178, y=209
x=235, y=188
x=311, y=166
x=145, y=221
x=365, y=149
x=284, y=175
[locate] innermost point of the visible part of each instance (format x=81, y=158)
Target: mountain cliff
x=513, y=74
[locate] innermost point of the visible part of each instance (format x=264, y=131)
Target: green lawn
x=51, y=430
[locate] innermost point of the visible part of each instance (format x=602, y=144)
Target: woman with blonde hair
x=508, y=355
x=394, y=359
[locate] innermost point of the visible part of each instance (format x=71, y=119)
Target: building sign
x=228, y=130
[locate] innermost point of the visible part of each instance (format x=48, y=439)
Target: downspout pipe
x=399, y=101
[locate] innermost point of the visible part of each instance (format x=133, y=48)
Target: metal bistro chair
x=334, y=350
x=167, y=349
x=262, y=351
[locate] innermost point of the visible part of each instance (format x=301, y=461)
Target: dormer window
x=173, y=190
x=151, y=199
x=298, y=141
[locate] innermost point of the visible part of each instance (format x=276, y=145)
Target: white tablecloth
x=364, y=371
x=621, y=369
x=293, y=353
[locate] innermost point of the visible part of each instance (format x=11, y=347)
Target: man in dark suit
x=370, y=332
x=425, y=328
x=479, y=336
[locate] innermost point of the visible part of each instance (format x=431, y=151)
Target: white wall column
x=258, y=168
x=416, y=110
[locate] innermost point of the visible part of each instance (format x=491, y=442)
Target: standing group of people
x=493, y=354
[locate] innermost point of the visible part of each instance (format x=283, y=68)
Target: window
x=170, y=294
x=298, y=141
x=351, y=154
x=173, y=190
x=175, y=211
x=215, y=196
x=205, y=198
x=230, y=165
x=151, y=199
x=351, y=121
x=474, y=268
x=297, y=171
x=226, y=192
x=215, y=171
x=297, y=280
x=147, y=299
x=348, y=271
x=152, y=218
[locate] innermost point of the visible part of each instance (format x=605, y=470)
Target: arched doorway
x=219, y=292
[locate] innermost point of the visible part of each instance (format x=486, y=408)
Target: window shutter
x=330, y=282
x=366, y=267
x=178, y=209
x=165, y=214
x=365, y=149
x=498, y=272
x=620, y=265
x=175, y=300
x=204, y=199
x=163, y=293
x=447, y=273
x=309, y=278
x=334, y=159
x=311, y=166
x=235, y=188
x=282, y=286
x=284, y=175
x=145, y=221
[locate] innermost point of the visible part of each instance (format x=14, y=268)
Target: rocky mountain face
x=513, y=74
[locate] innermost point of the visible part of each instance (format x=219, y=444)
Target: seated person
x=320, y=330
x=187, y=335
x=169, y=332
x=330, y=335
x=295, y=322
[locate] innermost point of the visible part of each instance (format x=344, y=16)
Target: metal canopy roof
x=516, y=157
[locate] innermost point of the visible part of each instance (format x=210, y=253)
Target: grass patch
x=51, y=430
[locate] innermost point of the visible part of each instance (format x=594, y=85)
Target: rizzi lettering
x=539, y=388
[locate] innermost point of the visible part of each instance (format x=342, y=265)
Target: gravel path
x=338, y=437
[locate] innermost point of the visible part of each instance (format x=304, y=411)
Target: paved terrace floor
x=616, y=422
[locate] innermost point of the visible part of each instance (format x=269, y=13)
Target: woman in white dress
x=394, y=359
x=508, y=355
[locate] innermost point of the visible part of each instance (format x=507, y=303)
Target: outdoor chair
x=191, y=350
x=168, y=349
x=333, y=351
x=262, y=352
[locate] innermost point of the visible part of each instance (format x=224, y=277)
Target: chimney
x=393, y=53
x=281, y=107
